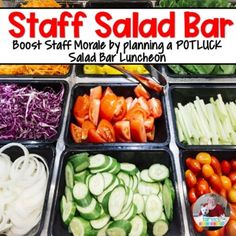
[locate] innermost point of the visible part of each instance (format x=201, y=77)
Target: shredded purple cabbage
x=29, y=114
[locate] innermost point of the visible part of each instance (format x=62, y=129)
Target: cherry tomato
x=149, y=124
x=225, y=167
x=96, y=93
x=108, y=106
x=81, y=108
x=197, y=228
x=232, y=195
x=232, y=211
x=151, y=134
x=140, y=91
x=86, y=126
x=76, y=133
x=190, y=178
x=226, y=182
x=230, y=228
x=155, y=107
x=232, y=176
x=106, y=130
x=94, y=137
x=138, y=132
x=122, y=131
x=216, y=165
x=215, y=182
x=144, y=104
x=120, y=110
x=193, y=165
x=192, y=196
x=234, y=186
x=94, y=109
x=219, y=232
x=202, y=187
x=223, y=193
x=207, y=171
x=233, y=165
x=203, y=158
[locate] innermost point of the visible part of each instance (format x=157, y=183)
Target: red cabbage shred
x=29, y=114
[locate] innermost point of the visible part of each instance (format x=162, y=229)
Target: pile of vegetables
x=107, y=70
x=105, y=117
x=203, y=69
x=206, y=174
x=23, y=186
x=29, y=114
x=205, y=124
x=104, y=197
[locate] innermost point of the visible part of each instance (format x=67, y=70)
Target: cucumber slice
x=82, y=195
x=116, y=201
x=79, y=161
x=87, y=178
x=69, y=175
x=107, y=168
x=125, y=177
x=123, y=214
x=139, y=202
x=158, y=172
x=160, y=228
x=96, y=184
x=128, y=168
x=91, y=212
x=115, y=170
x=145, y=176
x=68, y=212
x=98, y=161
x=79, y=227
x=109, y=189
x=108, y=179
x=153, y=208
x=102, y=232
x=105, y=202
x=132, y=213
x=169, y=184
x=62, y=204
x=163, y=216
x=145, y=188
x=135, y=182
x=167, y=202
x=69, y=195
x=81, y=176
x=119, y=228
x=128, y=200
x=100, y=222
x=138, y=226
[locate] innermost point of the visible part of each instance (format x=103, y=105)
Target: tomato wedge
x=122, y=131
x=144, y=104
x=136, y=112
x=155, y=107
x=86, y=126
x=94, y=111
x=96, y=93
x=94, y=137
x=138, y=132
x=81, y=108
x=76, y=133
x=129, y=101
x=108, y=91
x=151, y=134
x=140, y=91
x=120, y=110
x=106, y=131
x=149, y=124
x=108, y=106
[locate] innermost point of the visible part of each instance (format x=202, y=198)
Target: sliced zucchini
x=68, y=194
x=81, y=176
x=138, y=226
x=115, y=170
x=68, y=212
x=139, y=202
x=171, y=187
x=167, y=202
x=69, y=175
x=163, y=216
x=135, y=182
x=128, y=200
x=91, y=212
x=107, y=168
x=116, y=200
x=62, y=203
x=108, y=179
x=98, y=161
x=145, y=176
x=102, y=232
x=80, y=161
x=145, y=188
x=79, y=227
x=158, y=172
x=100, y=222
x=119, y=228
x=160, y=228
x=132, y=213
x=105, y=202
x=128, y=168
x=87, y=178
x=96, y=184
x=125, y=177
x=82, y=195
x=123, y=214
x=153, y=208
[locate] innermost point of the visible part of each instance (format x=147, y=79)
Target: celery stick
x=232, y=120
x=179, y=128
x=202, y=106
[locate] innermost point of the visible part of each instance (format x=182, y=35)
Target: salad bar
x=115, y=150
